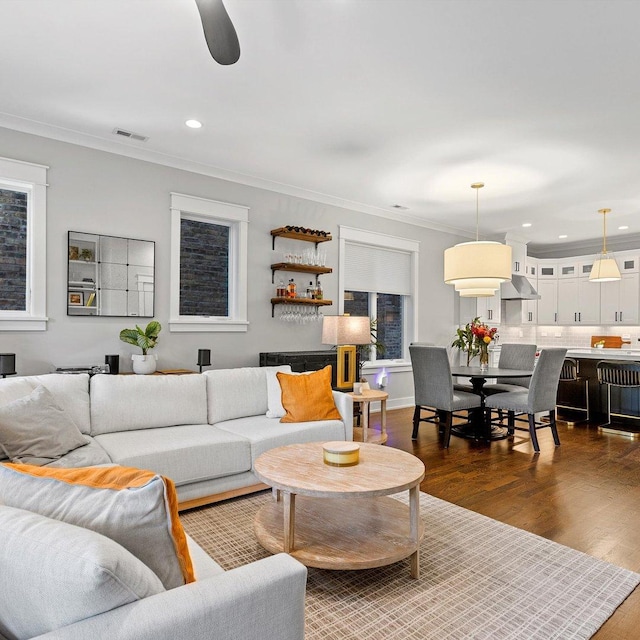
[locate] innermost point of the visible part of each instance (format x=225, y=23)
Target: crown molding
x=136, y=151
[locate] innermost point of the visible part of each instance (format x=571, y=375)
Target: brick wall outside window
x=204, y=269
x=13, y=257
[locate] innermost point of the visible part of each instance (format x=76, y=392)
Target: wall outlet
x=627, y=337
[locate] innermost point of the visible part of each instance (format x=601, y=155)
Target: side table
x=365, y=398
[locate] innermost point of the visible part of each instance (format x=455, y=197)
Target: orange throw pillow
x=308, y=398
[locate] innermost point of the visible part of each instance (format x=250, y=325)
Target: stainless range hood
x=518, y=289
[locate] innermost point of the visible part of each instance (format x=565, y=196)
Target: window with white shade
x=378, y=278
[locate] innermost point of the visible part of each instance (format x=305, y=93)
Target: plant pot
x=144, y=365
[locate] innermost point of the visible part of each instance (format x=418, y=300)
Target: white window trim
x=237, y=218
x=32, y=178
x=384, y=241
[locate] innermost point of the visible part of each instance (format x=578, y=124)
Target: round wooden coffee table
x=341, y=517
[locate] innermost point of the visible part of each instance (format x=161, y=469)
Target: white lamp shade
x=605, y=269
x=337, y=330
x=478, y=293
x=472, y=260
x=476, y=269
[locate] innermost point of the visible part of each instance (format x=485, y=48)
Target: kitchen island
x=625, y=401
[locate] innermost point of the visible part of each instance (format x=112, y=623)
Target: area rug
x=479, y=579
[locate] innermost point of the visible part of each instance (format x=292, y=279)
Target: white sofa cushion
x=35, y=430
x=55, y=573
x=265, y=433
x=136, y=508
x=188, y=453
x=236, y=393
x=127, y=403
x=70, y=392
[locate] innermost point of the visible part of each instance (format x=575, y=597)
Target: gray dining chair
x=513, y=356
x=540, y=397
x=433, y=390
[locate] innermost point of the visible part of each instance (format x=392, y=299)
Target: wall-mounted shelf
x=306, y=236
x=301, y=301
x=300, y=268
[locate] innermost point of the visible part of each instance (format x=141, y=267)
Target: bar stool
x=624, y=375
x=571, y=373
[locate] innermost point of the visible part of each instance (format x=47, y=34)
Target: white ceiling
x=366, y=102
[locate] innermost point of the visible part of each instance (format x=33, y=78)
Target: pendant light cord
x=604, y=229
x=477, y=215
x=477, y=186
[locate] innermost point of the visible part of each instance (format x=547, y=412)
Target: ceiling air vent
x=130, y=135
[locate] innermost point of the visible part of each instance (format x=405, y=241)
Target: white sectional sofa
x=204, y=431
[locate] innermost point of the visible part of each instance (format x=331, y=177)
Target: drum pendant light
x=605, y=268
x=476, y=269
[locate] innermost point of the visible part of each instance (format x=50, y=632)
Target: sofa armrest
x=344, y=402
x=263, y=600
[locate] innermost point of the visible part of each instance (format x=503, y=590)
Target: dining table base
x=471, y=431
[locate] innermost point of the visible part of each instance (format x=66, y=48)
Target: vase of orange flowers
x=483, y=335
x=474, y=339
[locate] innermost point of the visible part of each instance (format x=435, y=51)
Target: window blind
x=375, y=269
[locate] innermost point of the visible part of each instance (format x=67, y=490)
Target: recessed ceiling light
x=526, y=224
x=624, y=227
x=563, y=236
x=193, y=124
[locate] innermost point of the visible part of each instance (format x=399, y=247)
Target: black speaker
x=114, y=364
x=204, y=358
x=7, y=364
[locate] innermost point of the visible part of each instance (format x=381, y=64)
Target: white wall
x=100, y=192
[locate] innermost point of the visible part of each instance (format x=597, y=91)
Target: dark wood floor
x=584, y=494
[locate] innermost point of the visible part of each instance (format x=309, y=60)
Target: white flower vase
x=144, y=365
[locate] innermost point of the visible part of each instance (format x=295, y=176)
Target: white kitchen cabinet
x=530, y=311
x=548, y=303
x=578, y=301
x=547, y=270
x=488, y=309
x=568, y=269
x=620, y=300
x=627, y=264
x=531, y=269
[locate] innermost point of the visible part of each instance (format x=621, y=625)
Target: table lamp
x=346, y=332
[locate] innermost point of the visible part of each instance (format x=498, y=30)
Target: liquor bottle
x=311, y=291
x=319, y=292
x=291, y=289
x=281, y=290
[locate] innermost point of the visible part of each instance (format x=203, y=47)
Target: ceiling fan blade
x=219, y=31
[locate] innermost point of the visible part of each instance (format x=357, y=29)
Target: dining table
x=479, y=426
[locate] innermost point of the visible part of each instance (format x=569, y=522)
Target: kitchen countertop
x=630, y=355
x=603, y=354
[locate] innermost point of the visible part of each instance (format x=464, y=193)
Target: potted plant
x=475, y=339
x=364, y=352
x=146, y=339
